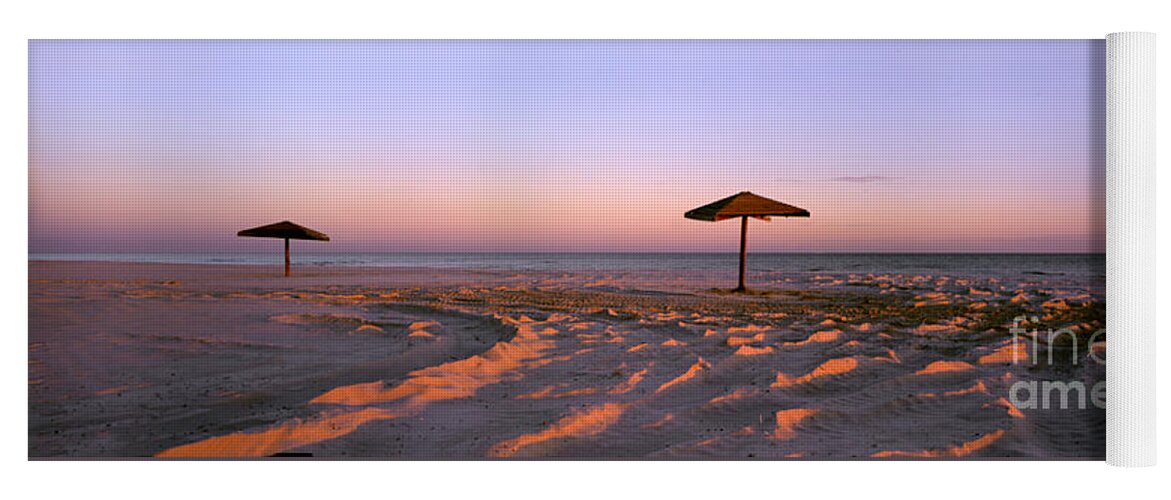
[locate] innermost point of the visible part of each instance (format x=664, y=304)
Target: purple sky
x=985, y=146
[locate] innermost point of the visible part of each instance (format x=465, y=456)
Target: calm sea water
x=1092, y=266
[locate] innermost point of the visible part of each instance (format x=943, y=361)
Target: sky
x=893, y=146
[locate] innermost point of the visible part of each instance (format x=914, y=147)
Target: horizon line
x=592, y=252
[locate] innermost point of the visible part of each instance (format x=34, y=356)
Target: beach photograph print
x=567, y=249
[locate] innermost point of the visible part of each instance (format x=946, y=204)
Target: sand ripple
x=837, y=365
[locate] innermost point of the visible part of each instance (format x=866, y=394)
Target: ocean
x=1084, y=266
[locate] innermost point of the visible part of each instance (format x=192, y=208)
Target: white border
x=1130, y=240
x=533, y=19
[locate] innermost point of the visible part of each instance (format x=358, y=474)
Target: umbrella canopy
x=744, y=205
x=287, y=231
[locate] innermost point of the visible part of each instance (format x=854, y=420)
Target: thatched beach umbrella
x=285, y=230
x=744, y=205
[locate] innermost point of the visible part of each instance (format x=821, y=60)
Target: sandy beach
x=178, y=360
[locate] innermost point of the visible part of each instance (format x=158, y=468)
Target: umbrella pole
x=743, y=251
x=287, y=257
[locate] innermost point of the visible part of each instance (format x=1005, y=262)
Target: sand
x=154, y=360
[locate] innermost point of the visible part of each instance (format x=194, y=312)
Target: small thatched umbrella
x=285, y=230
x=744, y=205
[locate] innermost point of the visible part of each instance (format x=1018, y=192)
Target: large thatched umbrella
x=744, y=205
x=285, y=230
